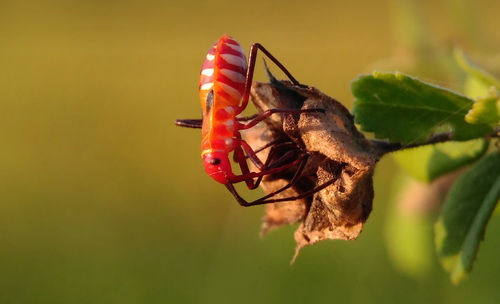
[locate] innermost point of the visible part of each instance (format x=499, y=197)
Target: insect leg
x=302, y=195
x=289, y=157
x=251, y=154
x=293, y=181
x=271, y=161
x=189, y=123
x=243, y=177
x=270, y=112
x=239, y=157
x=275, y=143
x=263, y=200
x=251, y=66
x=247, y=118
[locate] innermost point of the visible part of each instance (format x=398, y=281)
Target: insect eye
x=214, y=161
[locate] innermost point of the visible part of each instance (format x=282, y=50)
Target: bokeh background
x=103, y=200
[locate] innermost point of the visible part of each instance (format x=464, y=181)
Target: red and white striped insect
x=225, y=84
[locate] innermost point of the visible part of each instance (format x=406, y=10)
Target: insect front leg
x=265, y=199
x=239, y=157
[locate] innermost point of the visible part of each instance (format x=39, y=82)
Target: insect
x=224, y=87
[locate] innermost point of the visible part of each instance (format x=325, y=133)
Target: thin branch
x=387, y=147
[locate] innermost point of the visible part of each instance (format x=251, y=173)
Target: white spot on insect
x=229, y=124
x=230, y=110
x=236, y=48
x=207, y=86
x=210, y=57
x=207, y=72
x=234, y=60
x=228, y=142
x=234, y=76
x=230, y=90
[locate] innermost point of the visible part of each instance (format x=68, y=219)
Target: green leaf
x=429, y=162
x=467, y=209
x=404, y=109
x=486, y=110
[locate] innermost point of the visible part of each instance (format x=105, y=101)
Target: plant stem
x=387, y=147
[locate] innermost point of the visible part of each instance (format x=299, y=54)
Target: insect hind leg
x=251, y=66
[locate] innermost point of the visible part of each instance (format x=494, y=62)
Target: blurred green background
x=103, y=200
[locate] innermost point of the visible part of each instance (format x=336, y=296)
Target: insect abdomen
x=224, y=71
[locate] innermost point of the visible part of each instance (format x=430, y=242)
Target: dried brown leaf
x=337, y=151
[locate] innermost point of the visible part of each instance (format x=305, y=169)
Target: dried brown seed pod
x=336, y=149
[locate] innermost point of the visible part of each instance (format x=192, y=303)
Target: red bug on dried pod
x=225, y=82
